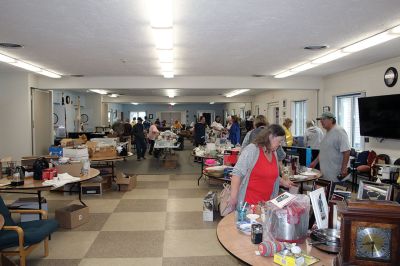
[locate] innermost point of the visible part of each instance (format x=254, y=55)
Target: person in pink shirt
x=153, y=133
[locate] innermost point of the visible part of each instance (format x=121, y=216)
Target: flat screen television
x=380, y=116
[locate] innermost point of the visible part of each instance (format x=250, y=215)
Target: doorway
x=208, y=115
x=42, y=121
x=273, y=113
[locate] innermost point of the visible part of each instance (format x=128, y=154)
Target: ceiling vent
x=316, y=47
x=8, y=45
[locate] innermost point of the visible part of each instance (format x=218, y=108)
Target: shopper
x=200, y=132
x=313, y=135
x=255, y=176
x=334, y=150
x=287, y=124
x=153, y=134
x=141, y=146
x=234, y=131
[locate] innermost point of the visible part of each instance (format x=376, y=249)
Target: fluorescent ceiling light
x=284, y=74
x=395, y=30
x=103, y=92
x=114, y=95
x=302, y=67
x=358, y=46
x=163, y=38
x=7, y=59
x=236, y=92
x=369, y=42
x=26, y=66
x=167, y=67
x=212, y=102
x=171, y=96
x=161, y=13
x=329, y=57
x=165, y=56
x=168, y=74
x=49, y=74
x=172, y=104
x=135, y=103
x=171, y=93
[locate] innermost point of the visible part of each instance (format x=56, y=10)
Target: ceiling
x=235, y=38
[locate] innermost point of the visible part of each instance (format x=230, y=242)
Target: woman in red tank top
x=255, y=175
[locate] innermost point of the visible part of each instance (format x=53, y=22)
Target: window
x=347, y=117
x=300, y=117
x=136, y=115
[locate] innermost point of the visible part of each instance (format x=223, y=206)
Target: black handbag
x=38, y=166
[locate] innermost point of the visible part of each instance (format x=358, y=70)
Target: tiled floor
x=157, y=223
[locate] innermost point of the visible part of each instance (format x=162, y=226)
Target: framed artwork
x=320, y=207
x=150, y=116
x=326, y=109
x=374, y=191
x=337, y=197
x=284, y=103
x=334, y=221
x=325, y=184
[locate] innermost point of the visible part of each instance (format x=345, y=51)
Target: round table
x=32, y=184
x=239, y=245
x=307, y=179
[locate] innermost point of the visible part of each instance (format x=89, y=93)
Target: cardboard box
x=209, y=206
x=72, y=216
x=74, y=168
x=126, y=183
x=105, y=152
x=29, y=204
x=91, y=188
x=106, y=184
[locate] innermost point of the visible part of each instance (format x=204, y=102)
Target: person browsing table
x=255, y=176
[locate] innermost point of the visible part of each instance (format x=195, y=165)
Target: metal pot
x=326, y=239
x=286, y=231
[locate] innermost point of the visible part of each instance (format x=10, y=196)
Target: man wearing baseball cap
x=334, y=151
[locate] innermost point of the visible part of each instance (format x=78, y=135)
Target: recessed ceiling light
x=315, y=47
x=135, y=103
x=10, y=45
x=113, y=95
x=212, y=102
x=103, y=92
x=172, y=104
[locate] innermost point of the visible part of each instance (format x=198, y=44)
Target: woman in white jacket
x=313, y=135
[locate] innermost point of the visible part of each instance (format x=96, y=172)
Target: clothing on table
x=234, y=133
x=217, y=126
x=199, y=134
x=288, y=137
x=332, y=146
x=262, y=179
x=313, y=137
x=177, y=125
x=243, y=168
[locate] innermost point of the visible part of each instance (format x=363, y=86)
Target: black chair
x=25, y=236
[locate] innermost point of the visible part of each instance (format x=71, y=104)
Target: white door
x=273, y=113
x=42, y=121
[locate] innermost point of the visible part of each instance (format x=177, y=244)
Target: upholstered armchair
x=19, y=239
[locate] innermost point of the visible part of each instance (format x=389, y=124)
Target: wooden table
x=31, y=185
x=1, y=221
x=309, y=178
x=239, y=245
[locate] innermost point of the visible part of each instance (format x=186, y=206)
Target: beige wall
x=262, y=100
x=368, y=79
x=15, y=115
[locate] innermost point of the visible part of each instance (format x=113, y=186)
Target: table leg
x=301, y=188
x=80, y=194
x=39, y=194
x=201, y=172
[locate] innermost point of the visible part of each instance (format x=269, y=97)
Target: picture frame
x=337, y=197
x=284, y=103
x=326, y=184
x=374, y=191
x=320, y=207
x=150, y=116
x=326, y=108
x=334, y=220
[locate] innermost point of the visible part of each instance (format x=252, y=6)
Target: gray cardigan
x=245, y=164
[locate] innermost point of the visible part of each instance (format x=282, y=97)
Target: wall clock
x=369, y=233
x=390, y=76
x=84, y=118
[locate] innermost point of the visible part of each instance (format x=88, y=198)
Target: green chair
x=19, y=239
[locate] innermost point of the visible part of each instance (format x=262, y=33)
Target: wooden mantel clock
x=370, y=233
